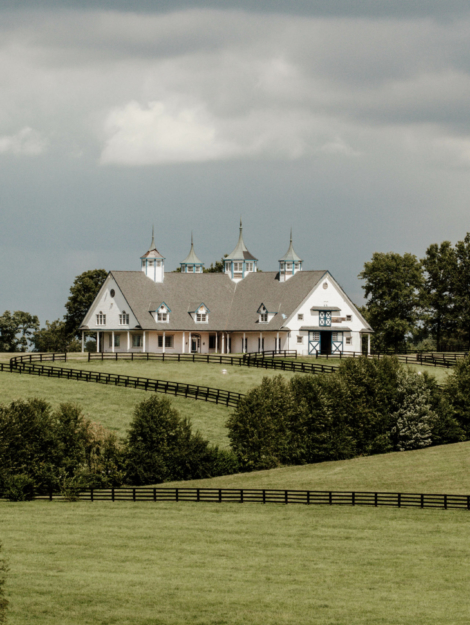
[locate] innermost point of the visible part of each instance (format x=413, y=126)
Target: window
x=117, y=340
x=325, y=285
x=288, y=266
x=315, y=336
x=143, y=264
x=211, y=341
x=162, y=317
x=168, y=341
x=199, y=269
x=150, y=263
x=201, y=317
x=124, y=319
x=238, y=267
x=112, y=292
x=348, y=317
x=348, y=340
x=190, y=269
x=227, y=267
x=137, y=340
x=300, y=339
x=158, y=263
x=334, y=336
x=297, y=266
x=100, y=319
x=249, y=266
x=325, y=318
x=263, y=318
x=300, y=317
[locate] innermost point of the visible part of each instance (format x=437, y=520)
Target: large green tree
x=16, y=329
x=55, y=338
x=437, y=295
x=392, y=285
x=82, y=293
x=461, y=288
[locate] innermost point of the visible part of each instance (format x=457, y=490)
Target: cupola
x=153, y=263
x=191, y=264
x=290, y=263
x=240, y=262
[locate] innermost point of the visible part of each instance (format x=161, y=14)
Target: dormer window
x=100, y=319
x=124, y=318
x=162, y=314
x=201, y=317
x=263, y=318
x=200, y=313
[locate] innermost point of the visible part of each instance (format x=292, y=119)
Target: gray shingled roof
x=191, y=258
x=290, y=255
x=240, y=252
x=233, y=306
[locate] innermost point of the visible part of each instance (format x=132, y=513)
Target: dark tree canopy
x=55, y=338
x=16, y=329
x=392, y=286
x=218, y=267
x=82, y=293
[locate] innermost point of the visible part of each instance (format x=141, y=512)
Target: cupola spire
x=191, y=264
x=152, y=262
x=240, y=262
x=290, y=263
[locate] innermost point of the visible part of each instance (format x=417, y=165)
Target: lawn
x=211, y=564
x=443, y=469
x=113, y=406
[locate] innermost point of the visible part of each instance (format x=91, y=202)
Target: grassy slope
x=113, y=406
x=147, y=564
x=444, y=469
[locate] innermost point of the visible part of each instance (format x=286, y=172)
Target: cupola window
x=249, y=266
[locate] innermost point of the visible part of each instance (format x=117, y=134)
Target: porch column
x=163, y=343
x=260, y=342
x=83, y=341
x=243, y=346
x=112, y=341
x=128, y=341
x=223, y=343
x=278, y=347
x=189, y=344
x=97, y=341
x=216, y=342
x=183, y=341
x=143, y=342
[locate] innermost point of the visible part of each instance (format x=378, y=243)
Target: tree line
x=414, y=303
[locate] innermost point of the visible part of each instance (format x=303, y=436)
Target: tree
x=161, y=446
x=414, y=415
x=461, y=286
x=11, y=325
x=393, y=284
x=440, y=272
x=82, y=294
x=54, y=338
x=218, y=267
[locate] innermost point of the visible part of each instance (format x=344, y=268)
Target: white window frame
x=348, y=340
x=100, y=319
x=162, y=317
x=237, y=267
x=300, y=317
x=288, y=266
x=264, y=317
x=201, y=317
x=124, y=318
x=249, y=266
x=300, y=340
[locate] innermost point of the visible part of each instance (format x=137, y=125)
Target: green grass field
x=211, y=564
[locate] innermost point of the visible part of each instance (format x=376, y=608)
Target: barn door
x=314, y=342
x=337, y=342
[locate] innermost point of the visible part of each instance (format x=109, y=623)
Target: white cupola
x=240, y=262
x=191, y=264
x=153, y=263
x=290, y=263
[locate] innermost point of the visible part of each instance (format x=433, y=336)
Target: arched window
x=124, y=318
x=100, y=319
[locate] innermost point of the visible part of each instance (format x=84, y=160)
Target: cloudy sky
x=349, y=121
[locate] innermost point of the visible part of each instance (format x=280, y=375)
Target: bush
x=457, y=394
x=162, y=447
x=19, y=488
x=48, y=447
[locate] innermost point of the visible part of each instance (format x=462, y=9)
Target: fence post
x=422, y=501
x=330, y=498
x=399, y=500
x=50, y=494
x=286, y=497
x=133, y=494
x=445, y=502
x=155, y=494
x=376, y=503
x=220, y=495
x=91, y=494
x=264, y=496
x=176, y=494
x=112, y=493
x=353, y=499
x=241, y=495
x=198, y=496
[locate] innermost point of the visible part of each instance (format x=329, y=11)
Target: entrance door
x=313, y=342
x=195, y=343
x=325, y=342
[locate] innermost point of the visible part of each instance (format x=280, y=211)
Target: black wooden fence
x=247, y=360
x=204, y=393
x=257, y=495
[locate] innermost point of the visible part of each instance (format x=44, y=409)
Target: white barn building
x=240, y=310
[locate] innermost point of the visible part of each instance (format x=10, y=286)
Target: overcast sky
x=349, y=121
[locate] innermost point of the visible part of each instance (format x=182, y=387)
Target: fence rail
x=247, y=360
x=203, y=393
x=252, y=495
x=425, y=359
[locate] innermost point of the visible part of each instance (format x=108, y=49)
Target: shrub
x=19, y=488
x=457, y=394
x=259, y=427
x=161, y=447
